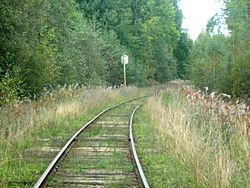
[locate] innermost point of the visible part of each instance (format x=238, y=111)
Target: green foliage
x=238, y=21
x=208, y=55
x=9, y=89
x=28, y=45
x=220, y=62
x=148, y=29
x=241, y=77
x=182, y=54
x=75, y=41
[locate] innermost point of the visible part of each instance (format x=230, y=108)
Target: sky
x=197, y=14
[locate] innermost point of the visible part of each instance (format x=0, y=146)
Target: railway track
x=101, y=154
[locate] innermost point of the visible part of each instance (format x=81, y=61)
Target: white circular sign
x=124, y=59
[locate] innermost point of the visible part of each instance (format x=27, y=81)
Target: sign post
x=124, y=60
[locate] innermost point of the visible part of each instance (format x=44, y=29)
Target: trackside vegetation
x=185, y=140
x=32, y=132
x=221, y=62
x=60, y=64
x=48, y=43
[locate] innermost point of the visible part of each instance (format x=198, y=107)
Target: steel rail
x=54, y=162
x=134, y=153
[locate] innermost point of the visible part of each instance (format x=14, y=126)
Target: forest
x=46, y=44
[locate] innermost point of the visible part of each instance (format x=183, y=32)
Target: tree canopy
x=222, y=62
x=45, y=43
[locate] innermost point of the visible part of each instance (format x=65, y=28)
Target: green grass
x=18, y=168
x=48, y=122
x=161, y=168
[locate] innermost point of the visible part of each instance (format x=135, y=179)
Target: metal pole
x=125, y=81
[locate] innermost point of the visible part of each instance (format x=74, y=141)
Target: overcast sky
x=197, y=13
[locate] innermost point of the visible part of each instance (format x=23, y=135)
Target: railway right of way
x=101, y=154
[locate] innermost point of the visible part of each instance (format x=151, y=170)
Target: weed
x=210, y=150
x=49, y=121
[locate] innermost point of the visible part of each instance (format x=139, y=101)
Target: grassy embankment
x=51, y=121
x=187, y=139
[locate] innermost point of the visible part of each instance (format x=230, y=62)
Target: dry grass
x=49, y=121
x=217, y=156
x=20, y=119
x=33, y=117
x=221, y=108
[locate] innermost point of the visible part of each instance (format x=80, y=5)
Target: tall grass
x=20, y=119
x=205, y=142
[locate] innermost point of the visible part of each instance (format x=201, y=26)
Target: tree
x=221, y=62
x=238, y=21
x=207, y=58
x=147, y=28
x=44, y=43
x=182, y=55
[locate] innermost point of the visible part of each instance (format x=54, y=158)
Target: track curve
x=101, y=154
